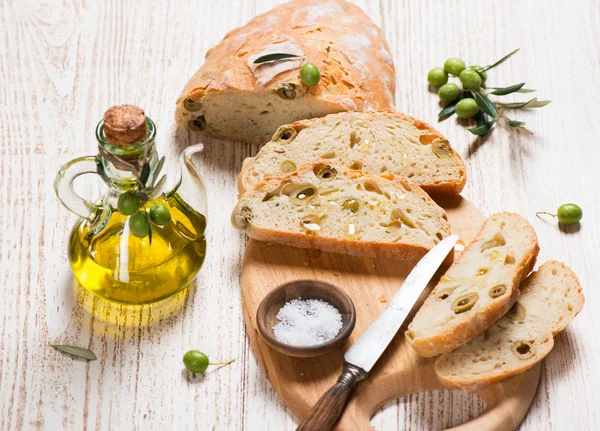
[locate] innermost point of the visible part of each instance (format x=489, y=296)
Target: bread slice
x=233, y=97
x=477, y=289
x=375, y=142
x=331, y=208
x=550, y=299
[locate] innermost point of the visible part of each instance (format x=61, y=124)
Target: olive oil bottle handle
x=63, y=185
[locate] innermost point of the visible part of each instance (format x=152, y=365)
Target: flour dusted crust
x=391, y=217
x=376, y=142
x=231, y=97
x=550, y=299
x=488, y=272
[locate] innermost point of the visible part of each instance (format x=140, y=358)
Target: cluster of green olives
x=471, y=78
x=139, y=220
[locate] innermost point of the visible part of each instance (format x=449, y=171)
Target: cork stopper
x=124, y=125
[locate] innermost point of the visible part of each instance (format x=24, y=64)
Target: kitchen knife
x=362, y=355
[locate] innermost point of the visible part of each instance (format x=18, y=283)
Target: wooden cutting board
x=370, y=283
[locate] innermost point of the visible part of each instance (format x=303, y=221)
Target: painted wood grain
x=62, y=63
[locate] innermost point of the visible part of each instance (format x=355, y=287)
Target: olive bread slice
x=237, y=95
x=324, y=206
x=478, y=288
x=374, y=142
x=550, y=299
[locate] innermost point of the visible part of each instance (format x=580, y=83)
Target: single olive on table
x=566, y=213
x=197, y=361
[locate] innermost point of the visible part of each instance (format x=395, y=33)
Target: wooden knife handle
x=330, y=406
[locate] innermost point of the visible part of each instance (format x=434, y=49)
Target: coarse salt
x=308, y=322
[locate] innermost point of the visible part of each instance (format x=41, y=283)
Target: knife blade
x=364, y=353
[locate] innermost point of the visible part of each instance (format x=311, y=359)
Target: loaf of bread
x=332, y=208
x=479, y=288
x=375, y=142
x=232, y=97
x=550, y=299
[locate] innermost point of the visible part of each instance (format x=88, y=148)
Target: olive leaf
x=447, y=111
x=159, y=167
x=502, y=60
x=78, y=352
x=481, y=118
x=145, y=174
x=522, y=90
x=485, y=104
x=533, y=103
x=508, y=90
x=274, y=57
x=483, y=129
x=515, y=123
x=149, y=230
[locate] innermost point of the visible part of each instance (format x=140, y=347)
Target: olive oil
x=116, y=265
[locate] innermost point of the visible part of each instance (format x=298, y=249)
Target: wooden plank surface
x=62, y=63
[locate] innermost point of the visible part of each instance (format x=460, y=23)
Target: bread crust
x=542, y=349
x=479, y=321
x=445, y=187
x=357, y=70
x=400, y=251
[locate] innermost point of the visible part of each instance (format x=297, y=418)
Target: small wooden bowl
x=266, y=315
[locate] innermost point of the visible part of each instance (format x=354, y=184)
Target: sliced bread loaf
x=231, y=96
x=550, y=299
x=478, y=288
x=374, y=142
x=331, y=208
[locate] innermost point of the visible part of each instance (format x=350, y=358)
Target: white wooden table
x=62, y=63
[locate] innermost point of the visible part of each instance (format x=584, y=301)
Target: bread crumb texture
x=325, y=206
x=374, y=142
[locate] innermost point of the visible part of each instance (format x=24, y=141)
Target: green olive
x=351, y=204
x=327, y=173
x=465, y=302
x=195, y=361
x=190, y=105
x=569, y=214
x=128, y=203
x=449, y=92
x=481, y=73
x=454, y=66
x=523, y=349
x=310, y=75
x=470, y=79
x=198, y=123
x=139, y=224
x=441, y=148
x=284, y=135
x=437, y=76
x=466, y=108
x=497, y=291
x=303, y=194
x=311, y=223
x=160, y=214
x=288, y=166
